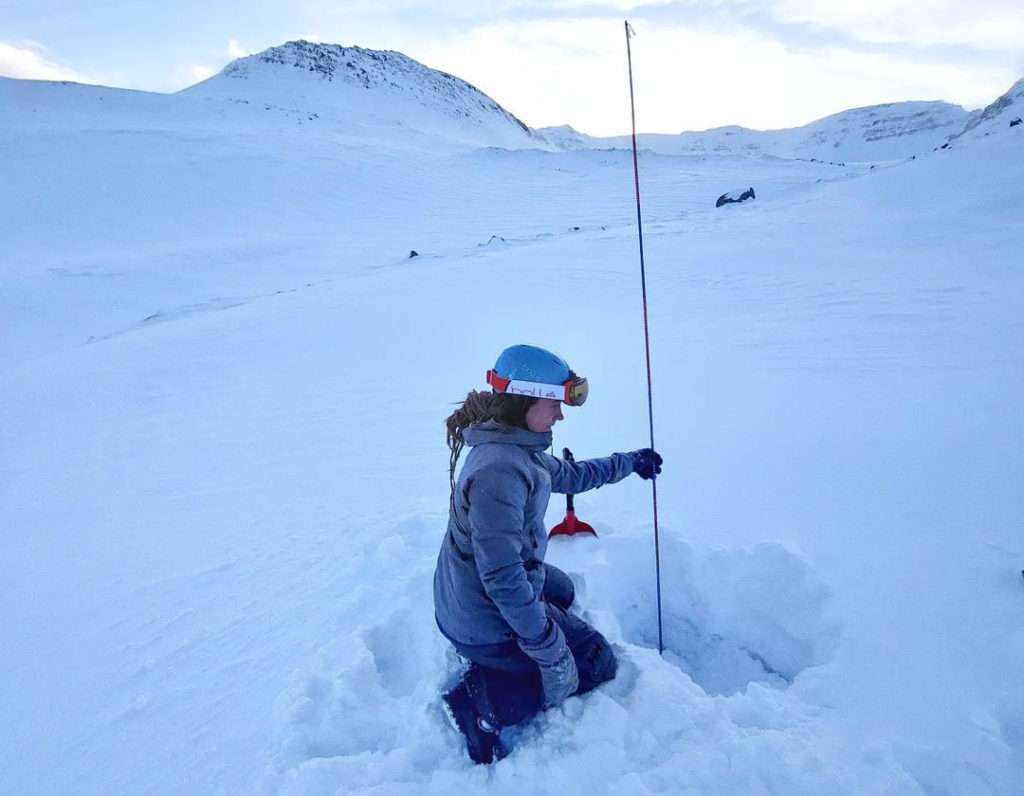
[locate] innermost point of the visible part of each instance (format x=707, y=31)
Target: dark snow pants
x=505, y=683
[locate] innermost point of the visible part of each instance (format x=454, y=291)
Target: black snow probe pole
x=647, y=339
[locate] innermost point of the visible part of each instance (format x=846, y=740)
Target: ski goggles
x=573, y=391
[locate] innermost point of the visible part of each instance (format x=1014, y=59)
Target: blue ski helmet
x=529, y=363
x=536, y=372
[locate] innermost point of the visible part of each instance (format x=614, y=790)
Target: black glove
x=646, y=463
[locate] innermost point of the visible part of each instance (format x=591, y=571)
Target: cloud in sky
x=988, y=25
x=691, y=77
x=29, y=61
x=236, y=50
x=201, y=71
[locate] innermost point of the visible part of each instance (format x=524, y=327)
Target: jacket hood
x=492, y=431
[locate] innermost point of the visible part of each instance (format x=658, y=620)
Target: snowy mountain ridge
x=388, y=98
x=997, y=114
x=384, y=87
x=879, y=132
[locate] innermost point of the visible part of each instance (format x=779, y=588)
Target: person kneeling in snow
x=495, y=599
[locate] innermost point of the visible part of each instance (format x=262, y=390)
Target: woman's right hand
x=646, y=463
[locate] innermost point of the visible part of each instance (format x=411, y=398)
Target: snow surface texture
x=224, y=482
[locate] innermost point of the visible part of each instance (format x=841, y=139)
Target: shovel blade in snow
x=571, y=526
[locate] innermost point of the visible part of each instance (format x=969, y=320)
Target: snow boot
x=482, y=740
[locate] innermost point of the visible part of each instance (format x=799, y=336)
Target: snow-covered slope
x=386, y=89
x=223, y=479
x=876, y=133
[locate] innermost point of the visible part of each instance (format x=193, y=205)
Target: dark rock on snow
x=735, y=196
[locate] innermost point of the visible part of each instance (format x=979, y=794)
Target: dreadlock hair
x=507, y=409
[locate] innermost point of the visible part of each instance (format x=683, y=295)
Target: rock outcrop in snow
x=733, y=197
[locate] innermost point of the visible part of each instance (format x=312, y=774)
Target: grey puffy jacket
x=489, y=577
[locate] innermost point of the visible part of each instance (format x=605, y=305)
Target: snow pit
x=730, y=617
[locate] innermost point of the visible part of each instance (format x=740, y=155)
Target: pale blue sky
x=763, y=64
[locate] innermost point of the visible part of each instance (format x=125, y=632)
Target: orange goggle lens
x=576, y=391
